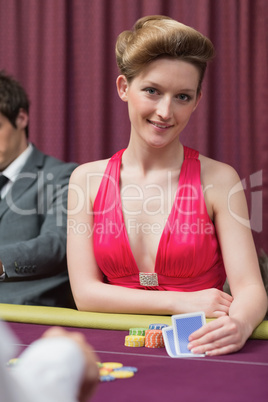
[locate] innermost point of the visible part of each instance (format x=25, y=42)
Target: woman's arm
x=249, y=306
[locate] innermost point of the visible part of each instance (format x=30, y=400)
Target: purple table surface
x=239, y=377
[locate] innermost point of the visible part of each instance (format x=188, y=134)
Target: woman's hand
x=213, y=302
x=218, y=337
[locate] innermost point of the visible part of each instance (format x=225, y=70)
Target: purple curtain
x=62, y=51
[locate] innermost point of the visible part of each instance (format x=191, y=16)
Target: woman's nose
x=164, y=108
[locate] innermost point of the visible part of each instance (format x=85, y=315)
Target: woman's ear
x=122, y=87
x=199, y=96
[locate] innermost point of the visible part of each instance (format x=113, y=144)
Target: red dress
x=188, y=256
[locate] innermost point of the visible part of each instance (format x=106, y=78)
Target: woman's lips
x=160, y=124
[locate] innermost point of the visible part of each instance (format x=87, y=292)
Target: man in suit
x=33, y=204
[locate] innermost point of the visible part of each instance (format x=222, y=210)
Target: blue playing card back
x=183, y=326
x=168, y=335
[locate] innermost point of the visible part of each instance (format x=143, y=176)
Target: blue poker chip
x=157, y=326
x=127, y=368
x=106, y=378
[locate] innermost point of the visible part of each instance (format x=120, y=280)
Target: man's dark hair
x=13, y=98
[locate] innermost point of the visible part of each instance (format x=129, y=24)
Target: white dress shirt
x=13, y=170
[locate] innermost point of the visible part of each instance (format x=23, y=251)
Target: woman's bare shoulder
x=87, y=178
x=90, y=168
x=215, y=172
x=218, y=181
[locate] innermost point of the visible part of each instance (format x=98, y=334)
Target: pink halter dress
x=188, y=256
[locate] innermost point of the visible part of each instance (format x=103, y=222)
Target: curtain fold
x=62, y=51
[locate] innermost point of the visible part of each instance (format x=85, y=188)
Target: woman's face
x=160, y=100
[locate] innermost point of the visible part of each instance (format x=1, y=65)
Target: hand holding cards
x=176, y=337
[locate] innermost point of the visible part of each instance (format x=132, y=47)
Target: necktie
x=3, y=181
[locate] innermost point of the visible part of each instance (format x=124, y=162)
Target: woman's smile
x=160, y=125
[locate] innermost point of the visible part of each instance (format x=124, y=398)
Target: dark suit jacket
x=33, y=234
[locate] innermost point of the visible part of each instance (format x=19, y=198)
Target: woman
x=154, y=232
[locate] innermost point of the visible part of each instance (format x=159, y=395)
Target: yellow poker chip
x=134, y=344
x=122, y=374
x=134, y=341
x=137, y=338
x=112, y=365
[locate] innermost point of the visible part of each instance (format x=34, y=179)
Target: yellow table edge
x=72, y=318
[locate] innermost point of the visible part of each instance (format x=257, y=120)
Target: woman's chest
x=146, y=208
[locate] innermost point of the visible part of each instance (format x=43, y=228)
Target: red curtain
x=62, y=51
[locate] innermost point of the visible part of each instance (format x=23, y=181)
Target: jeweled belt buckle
x=148, y=279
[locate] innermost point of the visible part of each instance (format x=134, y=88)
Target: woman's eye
x=184, y=97
x=150, y=91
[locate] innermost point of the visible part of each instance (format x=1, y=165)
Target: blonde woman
x=158, y=236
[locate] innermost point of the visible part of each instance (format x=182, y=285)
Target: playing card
x=168, y=335
x=183, y=326
x=176, y=337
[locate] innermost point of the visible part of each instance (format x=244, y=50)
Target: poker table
x=238, y=377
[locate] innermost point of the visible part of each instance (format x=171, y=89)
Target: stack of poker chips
x=154, y=338
x=136, y=337
x=150, y=338
x=135, y=341
x=111, y=371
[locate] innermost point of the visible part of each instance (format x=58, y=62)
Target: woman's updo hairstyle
x=160, y=36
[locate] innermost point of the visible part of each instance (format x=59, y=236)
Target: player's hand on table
x=213, y=302
x=221, y=336
x=91, y=374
